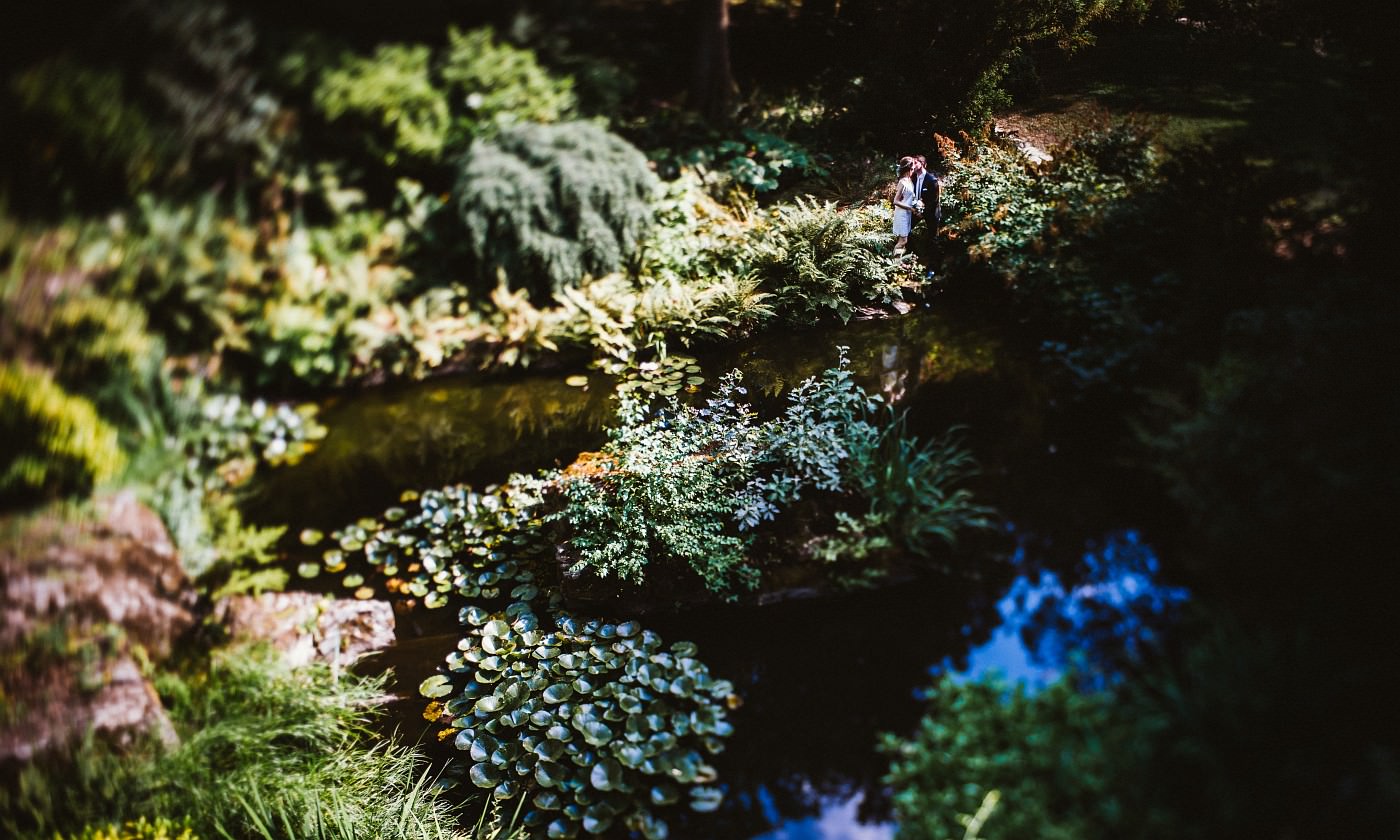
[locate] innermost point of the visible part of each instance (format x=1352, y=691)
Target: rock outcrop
x=85, y=603
x=307, y=627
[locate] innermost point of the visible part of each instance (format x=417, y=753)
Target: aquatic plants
x=457, y=541
x=594, y=722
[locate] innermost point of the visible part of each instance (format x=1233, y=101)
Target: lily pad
x=485, y=775
x=435, y=686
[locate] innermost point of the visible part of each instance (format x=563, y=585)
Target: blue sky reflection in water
x=1115, y=608
x=1099, y=614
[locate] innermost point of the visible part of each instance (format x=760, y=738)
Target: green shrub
x=1041, y=765
x=394, y=91
x=55, y=442
x=499, y=84
x=429, y=106
x=695, y=486
x=817, y=260
x=755, y=161
x=549, y=204
x=663, y=490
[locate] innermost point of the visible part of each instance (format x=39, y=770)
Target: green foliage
x=203, y=74
x=266, y=751
x=595, y=722
x=187, y=267
x=55, y=441
x=812, y=447
x=313, y=304
x=1191, y=743
x=756, y=161
x=549, y=204
x=215, y=444
x=663, y=492
x=1039, y=765
x=1060, y=235
x=499, y=83
x=817, y=260
x=694, y=486
x=835, y=438
x=90, y=111
x=191, y=98
x=392, y=89
x=1019, y=217
x=915, y=488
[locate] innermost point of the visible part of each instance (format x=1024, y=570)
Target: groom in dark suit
x=928, y=204
x=929, y=192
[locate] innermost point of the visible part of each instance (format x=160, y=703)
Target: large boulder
x=84, y=601
x=307, y=627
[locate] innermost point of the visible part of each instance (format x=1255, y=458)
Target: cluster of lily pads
x=453, y=539
x=664, y=377
x=597, y=723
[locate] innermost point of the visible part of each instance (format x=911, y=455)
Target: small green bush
x=1026, y=765
x=663, y=492
x=754, y=161
x=549, y=204
x=55, y=442
x=695, y=485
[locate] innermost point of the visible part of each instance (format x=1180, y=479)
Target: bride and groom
x=917, y=190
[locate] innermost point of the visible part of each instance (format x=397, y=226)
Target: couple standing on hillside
x=917, y=190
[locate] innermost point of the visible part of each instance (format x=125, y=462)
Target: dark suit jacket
x=929, y=195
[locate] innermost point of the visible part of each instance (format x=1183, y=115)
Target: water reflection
x=819, y=680
x=477, y=429
x=430, y=434
x=1104, y=617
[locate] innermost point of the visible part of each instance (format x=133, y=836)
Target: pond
x=1073, y=566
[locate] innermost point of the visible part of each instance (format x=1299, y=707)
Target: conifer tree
x=549, y=204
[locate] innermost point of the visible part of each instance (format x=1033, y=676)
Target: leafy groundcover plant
x=698, y=486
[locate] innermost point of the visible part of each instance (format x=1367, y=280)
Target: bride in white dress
x=904, y=204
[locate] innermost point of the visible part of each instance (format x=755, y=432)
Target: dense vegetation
x=267, y=752
x=240, y=206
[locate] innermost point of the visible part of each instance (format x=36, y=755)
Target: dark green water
x=820, y=679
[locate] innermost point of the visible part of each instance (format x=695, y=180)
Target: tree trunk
x=714, y=86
